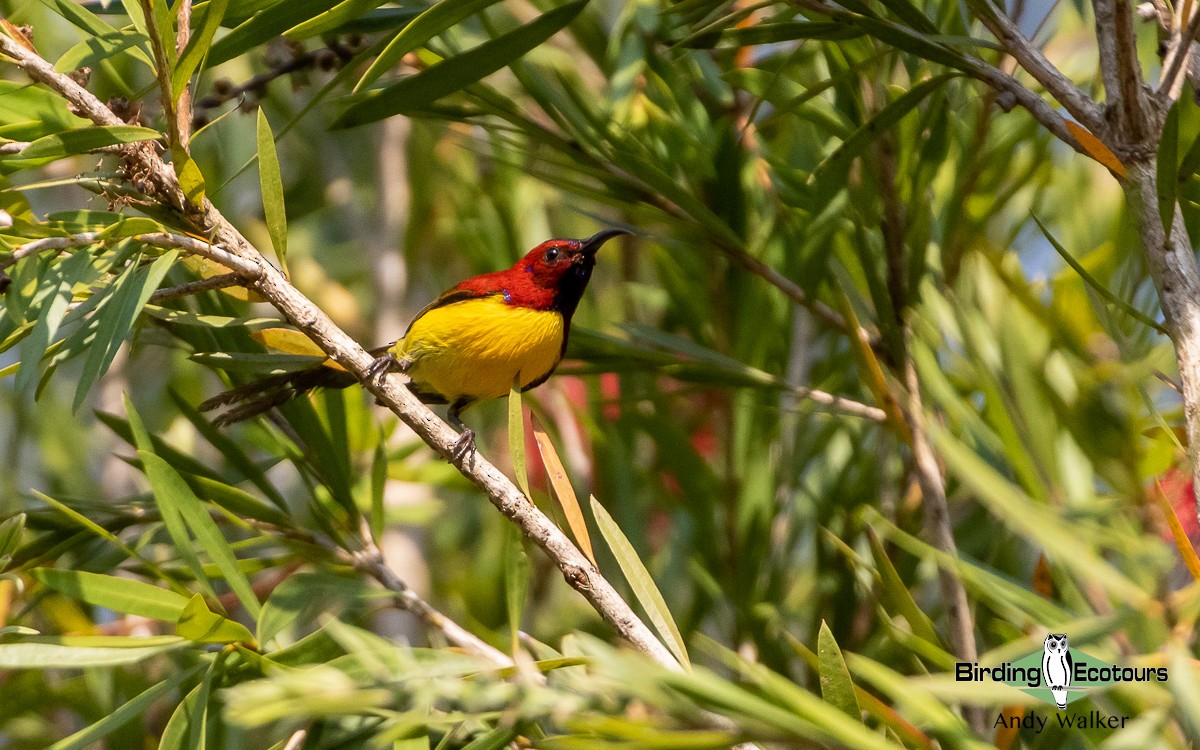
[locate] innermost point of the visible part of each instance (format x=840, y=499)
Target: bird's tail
x=252, y=399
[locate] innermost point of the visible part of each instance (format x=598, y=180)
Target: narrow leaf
x=516, y=437
x=88, y=736
x=1095, y=284
x=836, y=686
x=1167, y=176
x=1096, y=148
x=1186, y=551
x=563, y=489
x=516, y=579
x=439, y=17
x=189, y=62
x=641, y=582
x=171, y=491
x=452, y=74
x=97, y=49
x=82, y=140
x=55, y=655
x=118, y=594
x=896, y=594
x=271, y=181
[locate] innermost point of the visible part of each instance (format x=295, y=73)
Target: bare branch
x=371, y=562
x=1031, y=59
x=222, y=281
x=247, y=269
x=938, y=528
x=391, y=391
x=842, y=404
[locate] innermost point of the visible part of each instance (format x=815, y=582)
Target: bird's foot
x=464, y=447
x=382, y=365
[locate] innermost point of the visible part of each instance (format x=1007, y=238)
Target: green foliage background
x=793, y=174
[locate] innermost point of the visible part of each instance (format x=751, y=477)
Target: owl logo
x=1057, y=667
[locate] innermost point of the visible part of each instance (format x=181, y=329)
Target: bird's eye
x=551, y=254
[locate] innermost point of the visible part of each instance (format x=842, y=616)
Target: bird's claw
x=464, y=447
x=381, y=365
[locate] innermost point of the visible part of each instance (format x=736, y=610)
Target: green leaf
x=200, y=624
x=211, y=15
x=641, y=582
x=271, y=181
x=57, y=290
x=84, y=19
x=175, y=498
x=1167, y=184
x=452, y=74
x=772, y=33
x=1095, y=284
x=516, y=438
x=130, y=294
x=97, y=49
x=45, y=655
x=439, y=17
x=827, y=176
x=516, y=579
x=88, y=736
x=896, y=594
x=177, y=735
x=265, y=25
x=10, y=536
x=191, y=179
x=82, y=140
x=118, y=594
x=379, y=467
x=340, y=14
x=836, y=686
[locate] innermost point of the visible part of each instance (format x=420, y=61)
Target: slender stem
x=183, y=108
x=938, y=528
x=1175, y=64
x=222, y=281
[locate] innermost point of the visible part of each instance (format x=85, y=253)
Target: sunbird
x=472, y=343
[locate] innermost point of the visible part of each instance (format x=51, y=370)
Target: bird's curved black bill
x=597, y=240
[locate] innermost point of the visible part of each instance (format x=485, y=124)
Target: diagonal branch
x=1031, y=59
x=162, y=185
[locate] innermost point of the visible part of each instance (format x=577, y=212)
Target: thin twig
x=938, y=527
x=162, y=185
x=222, y=281
x=1170, y=85
x=841, y=403
x=247, y=269
x=370, y=561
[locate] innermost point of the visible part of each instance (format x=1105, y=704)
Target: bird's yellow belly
x=475, y=349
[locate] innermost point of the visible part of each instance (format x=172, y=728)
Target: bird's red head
x=551, y=276
x=557, y=262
